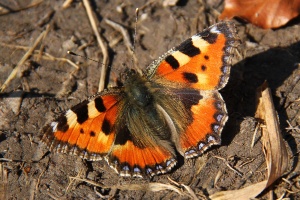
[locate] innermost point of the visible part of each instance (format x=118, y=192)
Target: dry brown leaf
x=242, y=194
x=263, y=13
x=274, y=149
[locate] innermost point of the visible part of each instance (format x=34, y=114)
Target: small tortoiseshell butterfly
x=173, y=107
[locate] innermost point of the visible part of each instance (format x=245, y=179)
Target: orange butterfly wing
x=201, y=63
x=89, y=131
x=209, y=117
x=86, y=129
x=128, y=159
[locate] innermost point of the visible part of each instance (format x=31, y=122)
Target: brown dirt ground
x=40, y=92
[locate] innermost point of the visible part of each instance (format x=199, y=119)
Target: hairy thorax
x=138, y=90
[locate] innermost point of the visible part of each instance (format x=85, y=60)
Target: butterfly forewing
x=86, y=129
x=201, y=62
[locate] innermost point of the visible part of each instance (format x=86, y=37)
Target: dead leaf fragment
x=262, y=13
x=274, y=147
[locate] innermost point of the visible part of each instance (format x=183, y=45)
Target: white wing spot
x=211, y=139
x=215, y=30
x=54, y=126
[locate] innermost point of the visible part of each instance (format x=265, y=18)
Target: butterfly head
x=125, y=75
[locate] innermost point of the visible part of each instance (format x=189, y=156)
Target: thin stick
x=45, y=56
x=4, y=182
x=254, y=136
x=21, y=62
x=123, y=31
x=6, y=11
x=229, y=166
x=126, y=39
x=67, y=4
x=39, y=179
x=101, y=44
x=50, y=57
x=144, y=187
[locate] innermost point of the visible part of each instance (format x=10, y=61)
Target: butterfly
x=171, y=109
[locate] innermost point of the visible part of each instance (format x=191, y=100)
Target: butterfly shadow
x=277, y=66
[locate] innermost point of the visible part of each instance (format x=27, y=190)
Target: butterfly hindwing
x=209, y=117
x=130, y=159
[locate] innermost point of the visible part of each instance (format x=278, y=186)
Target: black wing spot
x=190, y=77
x=189, y=97
x=123, y=136
x=188, y=48
x=203, y=67
x=209, y=37
x=206, y=57
x=81, y=111
x=62, y=124
x=92, y=134
x=99, y=104
x=81, y=131
x=173, y=62
x=106, y=127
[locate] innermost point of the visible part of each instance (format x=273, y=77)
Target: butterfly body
x=173, y=107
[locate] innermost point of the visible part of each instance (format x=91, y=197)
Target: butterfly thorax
x=137, y=90
x=149, y=112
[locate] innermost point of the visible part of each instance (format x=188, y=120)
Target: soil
x=43, y=88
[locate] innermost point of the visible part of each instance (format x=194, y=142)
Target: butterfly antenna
x=135, y=28
x=134, y=42
x=75, y=54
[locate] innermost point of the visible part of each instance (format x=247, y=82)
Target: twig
x=144, y=187
x=39, y=179
x=21, y=62
x=45, y=56
x=126, y=39
x=254, y=135
x=4, y=182
x=291, y=127
x=101, y=44
x=66, y=4
x=42, y=45
x=247, y=162
x=191, y=193
x=229, y=166
x=73, y=179
x=6, y=11
x=124, y=33
x=50, y=57
x=89, y=181
x=217, y=178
